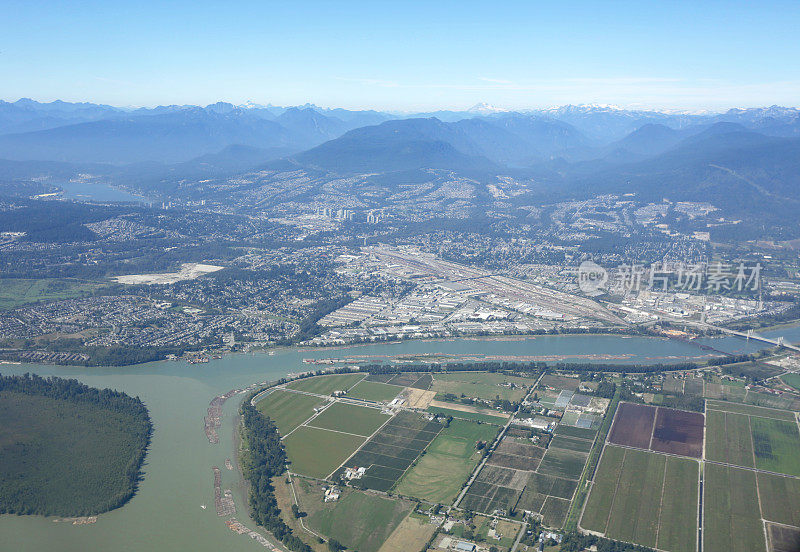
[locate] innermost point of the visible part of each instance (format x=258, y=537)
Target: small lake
x=166, y=514
x=95, y=191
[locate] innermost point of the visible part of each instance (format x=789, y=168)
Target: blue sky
x=404, y=55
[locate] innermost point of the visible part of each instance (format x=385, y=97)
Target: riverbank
x=131, y=356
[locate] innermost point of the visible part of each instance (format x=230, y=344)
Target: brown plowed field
x=678, y=432
x=783, y=539
x=633, y=425
x=514, y=462
x=509, y=446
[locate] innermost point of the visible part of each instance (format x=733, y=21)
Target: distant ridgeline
x=67, y=449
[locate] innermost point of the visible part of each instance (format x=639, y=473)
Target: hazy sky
x=404, y=55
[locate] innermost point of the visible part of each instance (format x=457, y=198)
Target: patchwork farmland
x=520, y=476
x=329, y=437
x=448, y=462
x=752, y=489
x=659, y=429
x=739, y=504
x=645, y=489
x=750, y=468
x=753, y=437
x=644, y=483
x=535, y=471
x=324, y=436
x=390, y=452
x=318, y=432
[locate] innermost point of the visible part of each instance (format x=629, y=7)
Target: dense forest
x=264, y=460
x=67, y=449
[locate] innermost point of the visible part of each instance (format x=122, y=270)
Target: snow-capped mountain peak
x=484, y=108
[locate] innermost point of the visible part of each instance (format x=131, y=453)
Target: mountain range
x=742, y=158
x=82, y=133
x=95, y=133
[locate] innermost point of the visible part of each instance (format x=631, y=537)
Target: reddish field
x=783, y=539
x=633, y=425
x=678, y=432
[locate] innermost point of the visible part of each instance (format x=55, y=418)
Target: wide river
x=166, y=513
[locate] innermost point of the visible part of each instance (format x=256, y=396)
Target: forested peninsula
x=67, y=449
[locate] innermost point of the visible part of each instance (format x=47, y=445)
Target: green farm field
x=731, y=518
x=447, y=463
x=18, y=291
x=635, y=509
x=288, y=410
x=598, y=508
x=750, y=410
x=554, y=511
x=677, y=528
x=780, y=498
x=768, y=400
x=571, y=443
x=563, y=463
x=645, y=498
x=571, y=431
x=480, y=385
x=475, y=416
x=728, y=438
x=318, y=452
x=348, y=418
x=360, y=521
x=792, y=380
x=753, y=441
x=724, y=391
x=374, y=391
x=325, y=385
x=777, y=445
